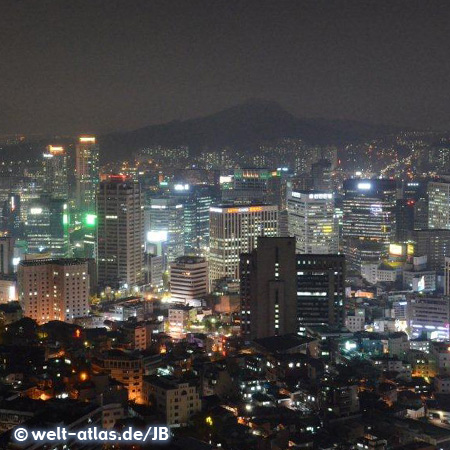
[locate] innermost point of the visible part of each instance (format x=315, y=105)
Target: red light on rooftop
x=120, y=178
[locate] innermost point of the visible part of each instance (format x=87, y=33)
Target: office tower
x=413, y=214
x=11, y=218
x=87, y=179
x=6, y=255
x=439, y=204
x=435, y=244
x=46, y=228
x=196, y=201
x=120, y=233
x=321, y=175
x=55, y=172
x=164, y=227
x=234, y=230
x=369, y=211
x=189, y=279
x=320, y=290
x=54, y=289
x=255, y=185
x=404, y=219
x=268, y=289
x=86, y=173
x=311, y=221
x=248, y=185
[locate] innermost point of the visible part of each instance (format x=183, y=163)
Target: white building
x=311, y=220
x=235, y=230
x=189, y=279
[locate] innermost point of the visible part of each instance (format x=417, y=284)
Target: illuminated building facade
x=369, y=211
x=55, y=172
x=311, y=221
x=196, y=202
x=54, y=289
x=47, y=227
x=320, y=290
x=164, y=227
x=189, y=279
x=235, y=230
x=86, y=173
x=11, y=216
x=121, y=233
x=439, y=204
x=87, y=181
x=429, y=315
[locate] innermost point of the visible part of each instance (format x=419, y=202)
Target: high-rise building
x=189, y=278
x=268, y=289
x=196, y=202
x=435, y=244
x=46, y=228
x=55, y=172
x=321, y=290
x=121, y=233
x=311, y=220
x=164, y=226
x=235, y=230
x=369, y=210
x=439, y=204
x=11, y=216
x=447, y=276
x=278, y=286
x=86, y=174
x=6, y=255
x=54, y=289
x=87, y=180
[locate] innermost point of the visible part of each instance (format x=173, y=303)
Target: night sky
x=99, y=65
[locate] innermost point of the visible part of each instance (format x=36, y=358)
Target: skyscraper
x=234, y=230
x=46, y=228
x=87, y=180
x=165, y=225
x=439, y=204
x=283, y=292
x=86, y=173
x=268, y=289
x=435, y=244
x=196, y=202
x=321, y=290
x=369, y=210
x=311, y=221
x=55, y=172
x=11, y=216
x=121, y=233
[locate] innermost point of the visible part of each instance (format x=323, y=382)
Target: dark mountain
x=243, y=126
